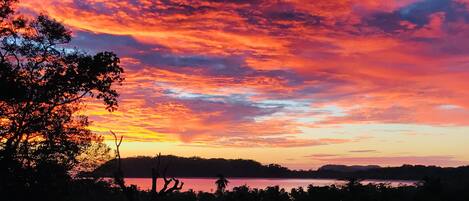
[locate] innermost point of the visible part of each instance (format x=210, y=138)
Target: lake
x=208, y=184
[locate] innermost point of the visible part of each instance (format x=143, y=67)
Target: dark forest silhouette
x=200, y=167
x=44, y=141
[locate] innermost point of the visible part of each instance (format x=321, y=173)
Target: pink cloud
x=394, y=160
x=245, y=74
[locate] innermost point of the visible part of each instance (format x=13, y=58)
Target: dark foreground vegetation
x=427, y=190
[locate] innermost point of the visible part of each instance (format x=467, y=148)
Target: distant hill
x=194, y=167
x=140, y=167
x=345, y=168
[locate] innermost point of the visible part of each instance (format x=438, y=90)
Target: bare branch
x=119, y=174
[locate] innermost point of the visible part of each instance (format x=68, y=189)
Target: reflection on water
x=208, y=184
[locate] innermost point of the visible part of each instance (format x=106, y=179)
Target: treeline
x=193, y=167
x=404, y=172
x=199, y=167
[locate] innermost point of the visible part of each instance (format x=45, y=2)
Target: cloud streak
x=247, y=73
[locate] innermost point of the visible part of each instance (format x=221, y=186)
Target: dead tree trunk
x=154, y=178
x=119, y=174
x=167, y=188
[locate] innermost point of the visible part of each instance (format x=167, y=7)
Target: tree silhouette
x=43, y=84
x=129, y=191
x=167, y=189
x=221, y=183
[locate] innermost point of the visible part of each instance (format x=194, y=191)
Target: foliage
x=221, y=183
x=43, y=84
x=94, y=156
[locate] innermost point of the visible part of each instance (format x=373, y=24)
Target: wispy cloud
x=363, y=151
x=255, y=73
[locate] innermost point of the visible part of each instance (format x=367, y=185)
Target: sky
x=298, y=83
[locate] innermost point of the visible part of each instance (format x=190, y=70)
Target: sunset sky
x=299, y=83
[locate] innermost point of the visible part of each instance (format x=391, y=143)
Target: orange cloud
x=258, y=73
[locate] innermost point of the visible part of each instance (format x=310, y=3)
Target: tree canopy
x=43, y=84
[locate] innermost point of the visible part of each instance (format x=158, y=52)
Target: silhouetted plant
x=129, y=191
x=221, y=183
x=275, y=193
x=94, y=156
x=43, y=84
x=155, y=174
x=430, y=189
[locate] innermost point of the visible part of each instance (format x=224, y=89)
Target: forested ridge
x=200, y=167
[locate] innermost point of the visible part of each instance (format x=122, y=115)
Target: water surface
x=208, y=184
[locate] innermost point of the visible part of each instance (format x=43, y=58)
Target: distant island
x=140, y=167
